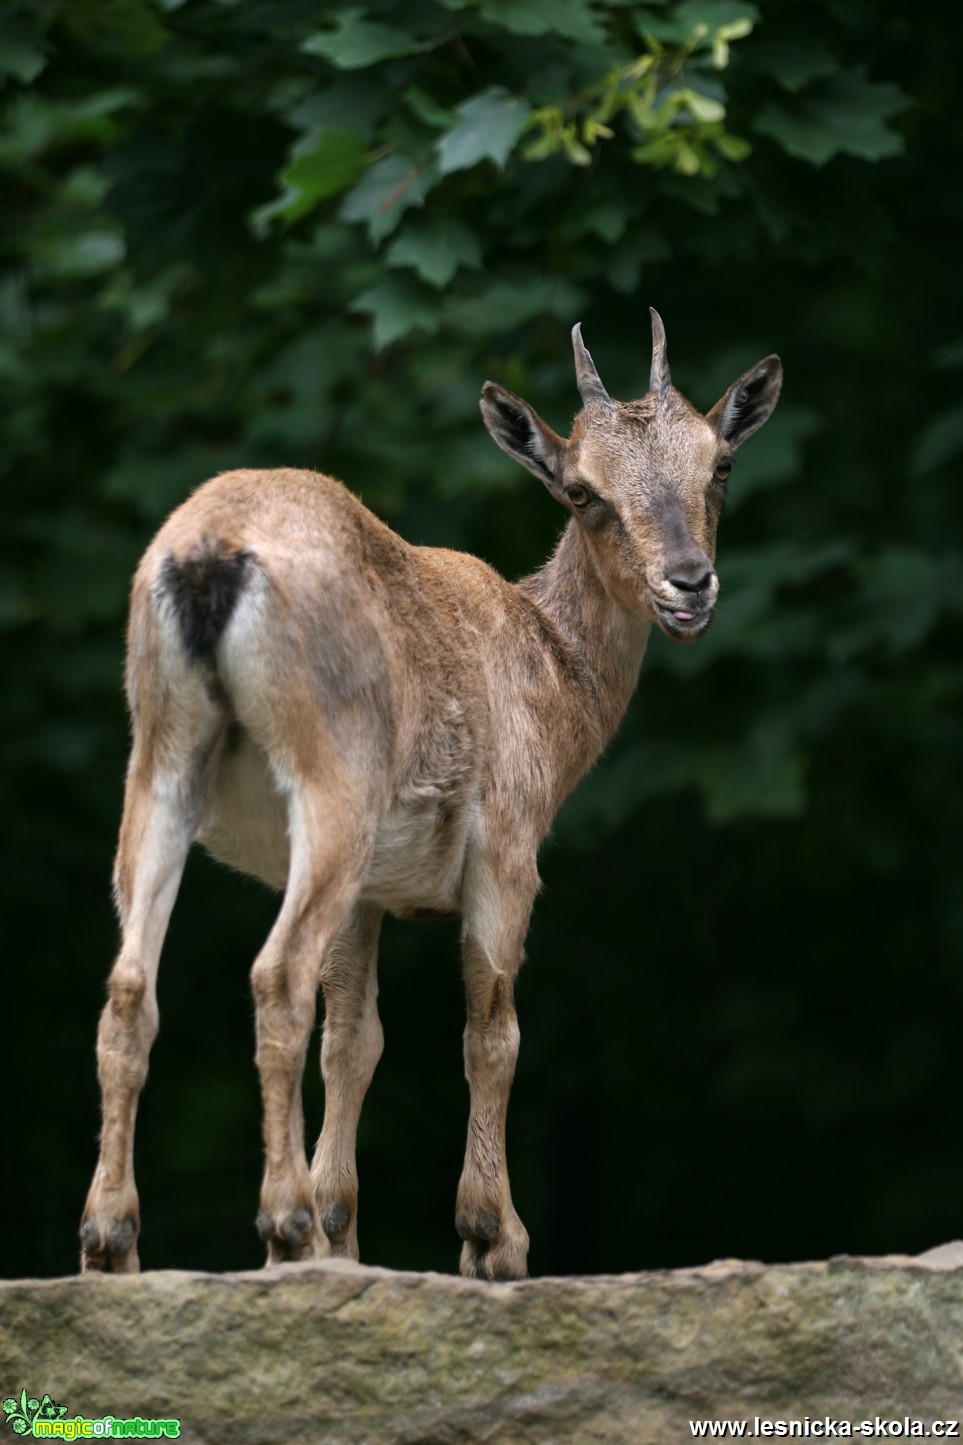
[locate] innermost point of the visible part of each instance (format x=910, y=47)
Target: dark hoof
x=335, y=1222
x=292, y=1228
x=482, y=1266
x=495, y=1245
x=90, y=1241
x=110, y=1249
x=483, y=1225
x=296, y=1226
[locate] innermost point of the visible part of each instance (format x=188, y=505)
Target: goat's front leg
x=495, y=1242
x=351, y=1048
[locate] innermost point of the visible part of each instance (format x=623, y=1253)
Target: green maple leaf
x=849, y=115
x=486, y=128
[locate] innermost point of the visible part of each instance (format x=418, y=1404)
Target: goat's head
x=645, y=480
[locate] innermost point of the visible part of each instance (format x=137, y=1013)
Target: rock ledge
x=337, y=1353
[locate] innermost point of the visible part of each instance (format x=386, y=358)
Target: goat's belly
x=417, y=861
x=246, y=822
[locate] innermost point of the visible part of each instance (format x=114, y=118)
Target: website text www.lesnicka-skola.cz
x=827, y=1427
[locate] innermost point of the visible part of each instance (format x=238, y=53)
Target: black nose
x=691, y=576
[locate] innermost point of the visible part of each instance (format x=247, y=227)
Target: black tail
x=203, y=587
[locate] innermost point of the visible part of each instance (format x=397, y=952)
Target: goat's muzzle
x=685, y=603
x=681, y=625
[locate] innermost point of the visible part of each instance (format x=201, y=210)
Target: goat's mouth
x=683, y=624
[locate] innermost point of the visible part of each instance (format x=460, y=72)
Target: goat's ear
x=748, y=403
x=520, y=432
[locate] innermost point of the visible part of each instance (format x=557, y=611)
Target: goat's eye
x=721, y=473
x=578, y=496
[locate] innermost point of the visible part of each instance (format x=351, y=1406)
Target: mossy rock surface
x=344, y=1353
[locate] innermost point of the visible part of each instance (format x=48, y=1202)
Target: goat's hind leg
x=328, y=860
x=350, y=1051
x=160, y=812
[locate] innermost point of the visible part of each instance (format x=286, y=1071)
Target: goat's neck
x=606, y=642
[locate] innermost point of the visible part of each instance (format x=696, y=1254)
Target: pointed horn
x=589, y=382
x=659, y=378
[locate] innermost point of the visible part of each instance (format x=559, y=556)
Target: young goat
x=372, y=726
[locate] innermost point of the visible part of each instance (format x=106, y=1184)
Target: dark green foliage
x=263, y=233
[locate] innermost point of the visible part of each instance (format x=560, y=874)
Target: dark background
x=284, y=233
